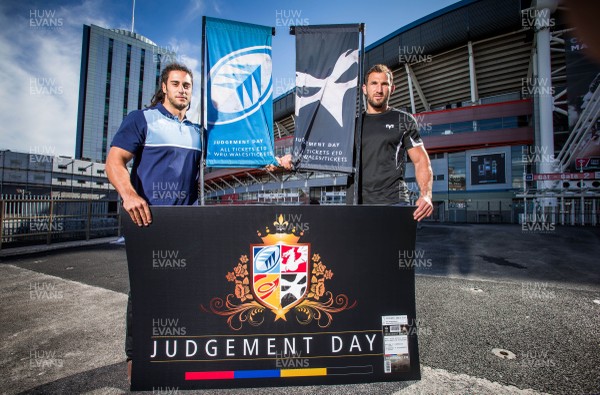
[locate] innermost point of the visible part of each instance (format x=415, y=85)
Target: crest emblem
x=280, y=275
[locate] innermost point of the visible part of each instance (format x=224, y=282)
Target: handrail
x=43, y=220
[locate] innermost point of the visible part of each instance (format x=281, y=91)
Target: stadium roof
x=445, y=29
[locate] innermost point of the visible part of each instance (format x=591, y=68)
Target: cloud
x=195, y=9
x=39, y=67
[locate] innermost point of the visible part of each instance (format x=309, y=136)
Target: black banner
x=326, y=88
x=227, y=297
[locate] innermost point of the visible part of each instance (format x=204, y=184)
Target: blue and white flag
x=326, y=93
x=239, y=105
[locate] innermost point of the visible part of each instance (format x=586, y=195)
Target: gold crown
x=283, y=235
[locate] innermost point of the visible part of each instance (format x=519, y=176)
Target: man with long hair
x=165, y=147
x=166, y=151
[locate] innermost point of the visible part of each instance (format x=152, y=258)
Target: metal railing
x=40, y=219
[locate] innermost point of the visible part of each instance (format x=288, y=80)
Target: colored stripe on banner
x=304, y=372
x=217, y=375
x=275, y=373
x=256, y=374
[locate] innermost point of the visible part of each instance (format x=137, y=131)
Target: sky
x=40, y=49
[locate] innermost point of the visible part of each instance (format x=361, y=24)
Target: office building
x=120, y=72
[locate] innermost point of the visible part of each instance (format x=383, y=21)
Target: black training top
x=385, y=139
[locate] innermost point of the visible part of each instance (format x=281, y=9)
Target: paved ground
x=479, y=287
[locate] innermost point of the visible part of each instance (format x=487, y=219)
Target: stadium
x=507, y=106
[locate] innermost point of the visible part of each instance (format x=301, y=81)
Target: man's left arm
x=283, y=161
x=424, y=177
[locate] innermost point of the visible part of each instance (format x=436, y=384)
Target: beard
x=178, y=105
x=377, y=104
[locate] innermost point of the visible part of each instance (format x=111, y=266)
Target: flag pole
x=202, y=115
x=360, y=110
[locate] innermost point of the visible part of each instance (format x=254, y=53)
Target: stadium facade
x=496, y=87
x=120, y=72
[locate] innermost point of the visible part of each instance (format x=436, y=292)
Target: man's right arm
x=116, y=170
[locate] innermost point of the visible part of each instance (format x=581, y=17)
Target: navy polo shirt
x=166, y=152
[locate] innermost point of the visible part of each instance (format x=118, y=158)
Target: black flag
x=327, y=69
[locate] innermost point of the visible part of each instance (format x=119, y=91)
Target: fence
x=566, y=210
x=570, y=210
x=40, y=219
x=476, y=212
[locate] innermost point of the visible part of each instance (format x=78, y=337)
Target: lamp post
x=92, y=181
x=2, y=178
x=51, y=177
x=63, y=166
x=83, y=169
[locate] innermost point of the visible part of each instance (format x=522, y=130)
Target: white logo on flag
x=240, y=83
x=296, y=287
x=330, y=92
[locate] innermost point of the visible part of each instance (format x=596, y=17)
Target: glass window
x=517, y=165
x=481, y=125
x=461, y=127
x=510, y=122
x=440, y=129
x=489, y=124
x=457, y=171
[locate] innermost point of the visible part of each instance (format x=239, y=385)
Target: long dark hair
x=159, y=96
